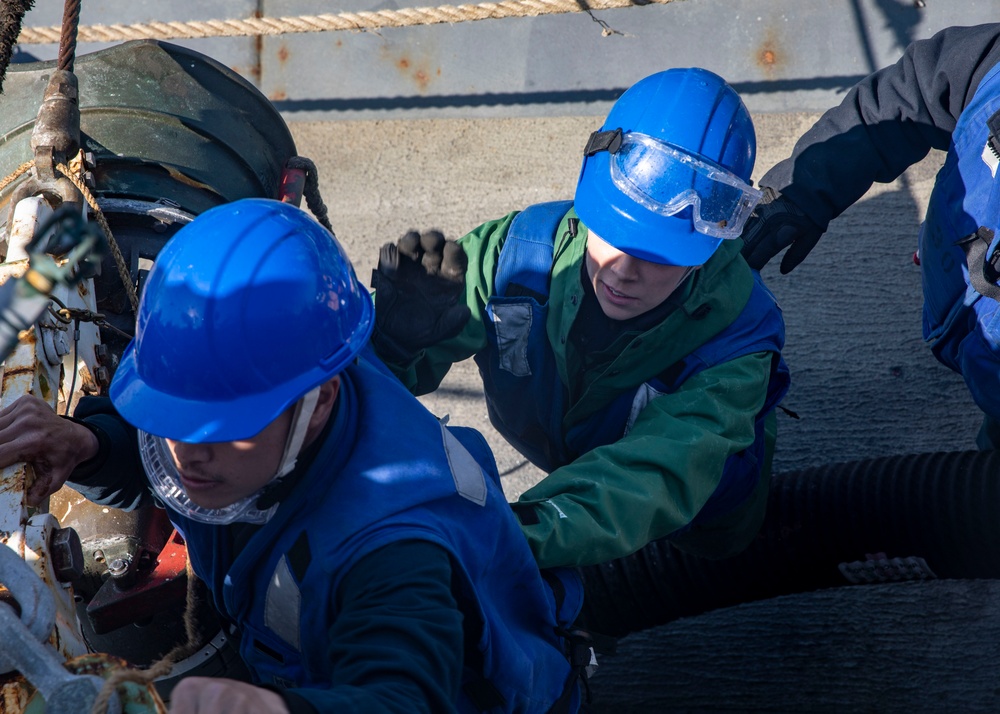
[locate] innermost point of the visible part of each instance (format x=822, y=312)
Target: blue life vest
x=526, y=398
x=963, y=326
x=368, y=487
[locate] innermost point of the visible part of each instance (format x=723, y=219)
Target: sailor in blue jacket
x=363, y=550
x=944, y=93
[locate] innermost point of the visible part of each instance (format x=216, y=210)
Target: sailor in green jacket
x=625, y=346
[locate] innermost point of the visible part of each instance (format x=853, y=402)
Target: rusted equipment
x=26, y=640
x=139, y=138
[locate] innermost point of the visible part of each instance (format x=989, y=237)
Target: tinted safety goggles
x=666, y=180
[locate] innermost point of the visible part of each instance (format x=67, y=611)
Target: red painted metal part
x=113, y=607
x=293, y=182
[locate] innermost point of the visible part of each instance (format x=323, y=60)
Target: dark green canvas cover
x=163, y=122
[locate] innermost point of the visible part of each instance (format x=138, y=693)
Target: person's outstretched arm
x=886, y=123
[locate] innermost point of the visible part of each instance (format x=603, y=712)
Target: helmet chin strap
x=162, y=472
x=304, y=409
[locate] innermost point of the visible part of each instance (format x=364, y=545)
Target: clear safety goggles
x=666, y=180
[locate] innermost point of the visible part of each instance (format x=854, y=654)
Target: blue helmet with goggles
x=667, y=178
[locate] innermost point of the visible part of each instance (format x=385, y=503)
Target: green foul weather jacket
x=652, y=482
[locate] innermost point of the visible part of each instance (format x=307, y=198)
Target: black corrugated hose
x=872, y=521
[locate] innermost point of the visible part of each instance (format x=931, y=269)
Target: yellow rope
x=23, y=168
x=406, y=17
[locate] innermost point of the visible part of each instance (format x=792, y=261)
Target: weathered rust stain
x=15, y=484
x=283, y=54
x=16, y=692
x=256, y=71
x=13, y=372
x=419, y=70
x=185, y=179
x=87, y=382
x=769, y=57
x=278, y=95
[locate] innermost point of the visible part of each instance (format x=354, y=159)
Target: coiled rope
x=375, y=20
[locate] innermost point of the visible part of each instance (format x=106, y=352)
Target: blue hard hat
x=245, y=310
x=666, y=179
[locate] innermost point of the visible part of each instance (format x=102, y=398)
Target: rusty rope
x=17, y=173
x=257, y=26
x=67, y=36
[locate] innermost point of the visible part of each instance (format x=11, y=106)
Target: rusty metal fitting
x=58, y=122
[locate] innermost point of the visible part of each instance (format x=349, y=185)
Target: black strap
x=984, y=272
x=599, y=141
x=562, y=704
x=578, y=653
x=580, y=646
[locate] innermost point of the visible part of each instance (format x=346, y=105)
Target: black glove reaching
x=776, y=224
x=419, y=286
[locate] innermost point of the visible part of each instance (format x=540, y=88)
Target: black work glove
x=419, y=286
x=776, y=224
